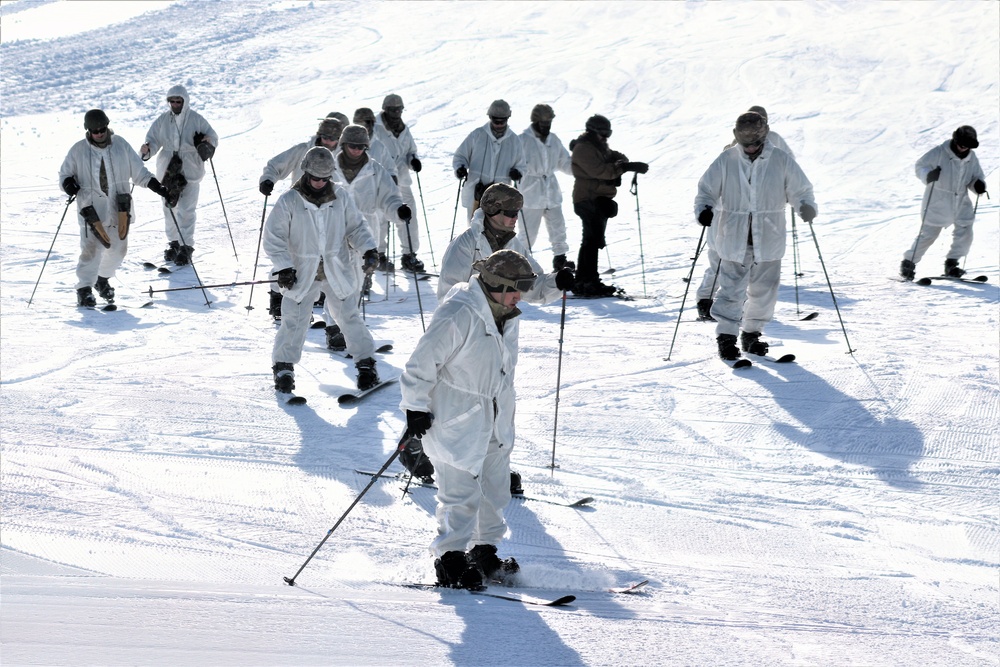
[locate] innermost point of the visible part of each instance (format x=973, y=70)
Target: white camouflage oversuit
x=400, y=151
x=540, y=189
x=488, y=160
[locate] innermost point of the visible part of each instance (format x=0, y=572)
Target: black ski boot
x=284, y=377
x=321, y=301
x=750, y=342
x=170, y=254
x=908, y=270
x=335, y=339
x=727, y=347
x=952, y=269
x=410, y=262
x=384, y=264
x=454, y=571
x=560, y=262
x=274, y=305
x=484, y=557
x=593, y=288
x=367, y=375
x=705, y=310
x=184, y=254
x=415, y=460
x=515, y=484
x=85, y=297
x=106, y=291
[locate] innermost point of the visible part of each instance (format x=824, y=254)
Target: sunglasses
x=319, y=179
x=497, y=120
x=328, y=137
x=752, y=144
x=175, y=101
x=99, y=131
x=357, y=147
x=393, y=109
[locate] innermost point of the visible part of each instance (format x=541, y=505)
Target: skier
x=309, y=234
x=749, y=184
x=373, y=192
x=490, y=154
x=184, y=141
x=598, y=171
x=710, y=281
x=544, y=154
x=99, y=169
x=458, y=396
x=950, y=171
x=286, y=164
x=376, y=149
x=395, y=135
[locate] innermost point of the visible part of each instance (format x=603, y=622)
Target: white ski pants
x=709, y=282
x=186, y=214
x=470, y=509
x=555, y=223
x=747, y=294
x=406, y=193
x=961, y=242
x=295, y=318
x=96, y=260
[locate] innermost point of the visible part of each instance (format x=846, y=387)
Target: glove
x=637, y=167
x=370, y=261
x=286, y=278
x=415, y=164
x=514, y=174
x=156, y=187
x=89, y=215
x=461, y=173
x=71, y=187
x=404, y=212
x=206, y=151
x=705, y=217
x=565, y=279
x=807, y=212
x=266, y=187
x=933, y=174
x=418, y=422
x=978, y=186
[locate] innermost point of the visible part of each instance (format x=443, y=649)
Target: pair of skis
x=347, y=398
x=561, y=601
x=928, y=281
x=746, y=363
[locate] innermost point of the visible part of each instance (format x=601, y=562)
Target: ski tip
x=344, y=399
x=148, y=265
x=297, y=400
x=582, y=502
x=110, y=307
x=924, y=281
x=164, y=270
x=742, y=363
x=564, y=600
x=810, y=317
x=980, y=279
x=384, y=348
x=786, y=359
x=318, y=324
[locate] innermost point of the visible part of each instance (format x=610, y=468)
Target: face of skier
x=328, y=142
x=753, y=148
x=393, y=112
x=504, y=220
x=508, y=298
x=960, y=150
x=176, y=104
x=354, y=151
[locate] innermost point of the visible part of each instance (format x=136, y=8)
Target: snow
x=841, y=510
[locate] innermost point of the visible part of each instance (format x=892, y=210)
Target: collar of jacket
x=501, y=314
x=327, y=194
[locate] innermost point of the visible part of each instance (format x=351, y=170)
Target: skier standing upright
x=490, y=154
x=950, y=171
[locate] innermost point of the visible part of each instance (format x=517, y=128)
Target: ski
x=978, y=280
x=161, y=269
x=290, y=398
x=631, y=588
x=808, y=318
x=381, y=349
x=404, y=477
x=783, y=359
x=619, y=295
x=582, y=502
x=738, y=363
x=354, y=397
x=511, y=597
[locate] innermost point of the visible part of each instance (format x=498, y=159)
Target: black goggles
x=321, y=179
x=393, y=109
x=752, y=144
x=497, y=284
x=101, y=130
x=497, y=120
x=357, y=147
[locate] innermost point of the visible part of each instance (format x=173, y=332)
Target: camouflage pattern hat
x=506, y=270
x=542, y=112
x=364, y=115
x=501, y=197
x=355, y=134
x=344, y=120
x=750, y=129
x=392, y=100
x=318, y=162
x=759, y=110
x=95, y=119
x=499, y=109
x=330, y=128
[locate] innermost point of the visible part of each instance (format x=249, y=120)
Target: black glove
x=415, y=165
x=978, y=186
x=266, y=187
x=638, y=167
x=461, y=173
x=156, y=187
x=71, y=187
x=286, y=278
x=370, y=261
x=404, y=212
x=705, y=217
x=934, y=174
x=514, y=174
x=89, y=214
x=807, y=212
x=206, y=151
x=418, y=422
x=565, y=279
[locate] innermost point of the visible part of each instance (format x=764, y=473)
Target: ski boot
x=367, y=375
x=908, y=270
x=284, y=377
x=170, y=254
x=560, y=262
x=727, y=347
x=454, y=571
x=515, y=484
x=705, y=310
x=491, y=567
x=274, y=305
x=750, y=342
x=184, y=254
x=411, y=263
x=106, y=291
x=415, y=461
x=85, y=297
x=335, y=339
x=952, y=269
x=593, y=288
x=384, y=264
x=321, y=301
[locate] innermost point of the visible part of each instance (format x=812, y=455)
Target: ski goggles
x=752, y=144
x=356, y=147
x=496, y=283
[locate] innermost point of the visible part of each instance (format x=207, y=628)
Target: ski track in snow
x=839, y=510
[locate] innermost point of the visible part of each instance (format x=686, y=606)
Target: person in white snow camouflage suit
x=287, y=163
x=490, y=154
x=458, y=396
x=710, y=281
x=742, y=198
x=393, y=133
x=183, y=141
x=99, y=171
x=544, y=155
x=950, y=171
x=310, y=234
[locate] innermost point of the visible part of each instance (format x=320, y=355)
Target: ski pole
x=399, y=447
x=427, y=224
x=152, y=291
x=527, y=232
x=642, y=258
x=256, y=258
x=416, y=281
x=54, y=237
x=850, y=350
x=611, y=268
x=455, y=216
x=180, y=235
x=974, y=209
x=226, y=217
x=694, y=261
x=555, y=421
x=795, y=261
x=923, y=218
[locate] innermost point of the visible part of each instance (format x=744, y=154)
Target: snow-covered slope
x=841, y=510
